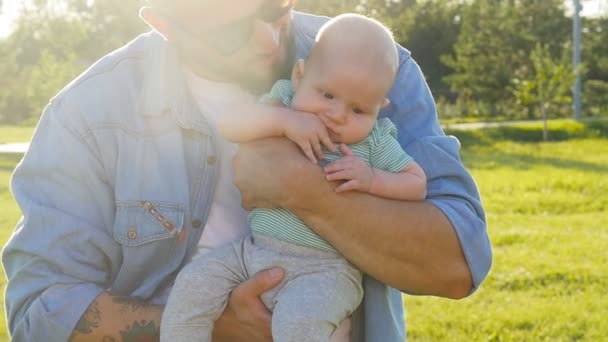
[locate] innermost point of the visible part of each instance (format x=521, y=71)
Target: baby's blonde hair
x=364, y=33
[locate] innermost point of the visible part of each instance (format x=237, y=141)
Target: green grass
x=546, y=204
x=15, y=134
x=9, y=215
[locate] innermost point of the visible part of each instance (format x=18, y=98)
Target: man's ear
x=298, y=72
x=151, y=17
x=385, y=103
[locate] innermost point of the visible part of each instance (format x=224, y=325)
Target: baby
x=334, y=96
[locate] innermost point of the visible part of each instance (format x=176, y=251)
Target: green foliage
x=595, y=97
x=52, y=43
x=495, y=43
x=549, y=85
x=430, y=30
x=475, y=54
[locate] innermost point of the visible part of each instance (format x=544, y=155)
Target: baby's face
x=346, y=97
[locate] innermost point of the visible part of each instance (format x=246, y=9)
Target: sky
x=10, y=9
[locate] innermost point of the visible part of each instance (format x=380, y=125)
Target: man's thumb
x=264, y=281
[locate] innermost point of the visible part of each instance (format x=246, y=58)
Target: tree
x=52, y=41
x=429, y=30
x=550, y=85
x=495, y=43
x=595, y=57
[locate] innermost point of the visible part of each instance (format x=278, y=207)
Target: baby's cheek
x=304, y=104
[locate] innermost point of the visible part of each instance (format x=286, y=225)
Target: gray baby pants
x=320, y=290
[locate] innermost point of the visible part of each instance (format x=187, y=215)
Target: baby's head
x=347, y=76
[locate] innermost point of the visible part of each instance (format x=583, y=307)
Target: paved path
x=22, y=147
x=14, y=148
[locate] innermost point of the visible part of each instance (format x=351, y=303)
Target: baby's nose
x=337, y=113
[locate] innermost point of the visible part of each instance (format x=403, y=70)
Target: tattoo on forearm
x=89, y=320
x=140, y=331
x=128, y=304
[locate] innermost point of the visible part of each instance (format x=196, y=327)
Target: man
x=125, y=172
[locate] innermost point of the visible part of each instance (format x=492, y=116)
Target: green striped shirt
x=380, y=149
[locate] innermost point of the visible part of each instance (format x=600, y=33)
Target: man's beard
x=259, y=84
x=256, y=83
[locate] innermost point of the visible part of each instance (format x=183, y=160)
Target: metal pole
x=576, y=35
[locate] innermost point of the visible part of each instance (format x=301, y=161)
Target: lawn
x=15, y=134
x=546, y=206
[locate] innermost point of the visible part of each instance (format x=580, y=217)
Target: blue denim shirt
x=127, y=132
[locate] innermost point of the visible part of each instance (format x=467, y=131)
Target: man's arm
x=116, y=318
x=437, y=247
x=408, y=245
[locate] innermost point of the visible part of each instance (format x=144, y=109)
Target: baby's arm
x=249, y=122
x=244, y=123
x=408, y=184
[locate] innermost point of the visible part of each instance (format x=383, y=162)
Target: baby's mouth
x=333, y=135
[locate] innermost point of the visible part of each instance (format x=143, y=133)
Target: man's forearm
x=115, y=318
x=408, y=245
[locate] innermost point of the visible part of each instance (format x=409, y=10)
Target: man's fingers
x=258, y=284
x=352, y=184
x=340, y=164
x=340, y=175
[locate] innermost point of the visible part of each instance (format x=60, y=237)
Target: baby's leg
x=200, y=294
x=311, y=305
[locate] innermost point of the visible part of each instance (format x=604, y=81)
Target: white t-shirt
x=227, y=220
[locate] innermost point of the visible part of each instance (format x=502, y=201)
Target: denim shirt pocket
x=140, y=222
x=152, y=246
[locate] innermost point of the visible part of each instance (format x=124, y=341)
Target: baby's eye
x=357, y=111
x=328, y=96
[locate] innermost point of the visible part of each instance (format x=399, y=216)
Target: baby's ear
x=385, y=103
x=298, y=72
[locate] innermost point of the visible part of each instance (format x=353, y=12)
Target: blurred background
x=503, y=76
x=482, y=58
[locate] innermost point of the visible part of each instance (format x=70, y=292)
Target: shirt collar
x=164, y=90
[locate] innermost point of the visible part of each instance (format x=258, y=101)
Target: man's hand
x=265, y=169
x=354, y=171
x=246, y=318
x=308, y=132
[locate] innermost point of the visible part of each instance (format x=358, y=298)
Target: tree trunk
x=543, y=109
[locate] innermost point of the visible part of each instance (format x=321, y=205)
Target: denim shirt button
x=196, y=224
x=132, y=234
x=211, y=160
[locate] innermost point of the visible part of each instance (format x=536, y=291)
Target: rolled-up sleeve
x=60, y=256
x=450, y=187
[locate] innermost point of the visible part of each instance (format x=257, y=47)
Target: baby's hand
x=354, y=171
x=309, y=132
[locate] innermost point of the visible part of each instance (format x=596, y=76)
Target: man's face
x=247, y=42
